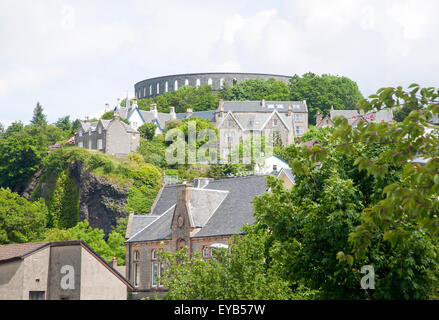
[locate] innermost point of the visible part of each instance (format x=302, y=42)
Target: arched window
x=186, y=82
x=175, y=85
x=221, y=83
x=166, y=86
x=150, y=89
x=198, y=83
x=158, y=88
x=144, y=91
x=209, y=81
x=154, y=254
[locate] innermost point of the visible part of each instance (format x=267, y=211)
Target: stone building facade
x=156, y=86
x=113, y=137
x=277, y=121
x=199, y=217
x=63, y=270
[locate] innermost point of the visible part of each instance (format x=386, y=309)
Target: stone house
x=279, y=121
x=354, y=117
x=198, y=216
x=64, y=270
x=113, y=137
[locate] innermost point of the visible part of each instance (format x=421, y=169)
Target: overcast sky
x=75, y=56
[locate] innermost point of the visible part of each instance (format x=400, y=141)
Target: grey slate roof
x=207, y=115
x=220, y=208
x=256, y=106
x=141, y=221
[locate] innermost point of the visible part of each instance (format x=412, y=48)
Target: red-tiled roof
x=9, y=251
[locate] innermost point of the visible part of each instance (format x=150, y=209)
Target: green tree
x=238, y=274
x=19, y=159
x=107, y=115
x=322, y=92
x=361, y=194
x=256, y=89
x=64, y=123
x=94, y=238
x=20, y=220
x=147, y=130
x=141, y=195
x=39, y=118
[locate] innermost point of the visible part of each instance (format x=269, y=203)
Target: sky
x=76, y=56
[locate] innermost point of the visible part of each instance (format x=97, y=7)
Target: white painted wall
x=269, y=162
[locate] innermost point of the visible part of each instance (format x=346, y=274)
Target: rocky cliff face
x=101, y=202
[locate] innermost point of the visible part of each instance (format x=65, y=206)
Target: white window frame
x=207, y=252
x=222, y=83
x=209, y=81
x=198, y=83
x=186, y=82
x=158, y=88
x=176, y=85
x=100, y=144
x=166, y=86
x=90, y=144
x=150, y=89
x=298, y=130
x=298, y=117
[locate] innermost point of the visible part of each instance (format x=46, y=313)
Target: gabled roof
x=288, y=172
x=10, y=252
x=220, y=208
x=234, y=118
x=19, y=250
x=257, y=106
x=278, y=115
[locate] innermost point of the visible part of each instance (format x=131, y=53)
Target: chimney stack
x=114, y=263
x=172, y=112
x=221, y=107
x=116, y=115
x=318, y=118
x=153, y=108
x=184, y=194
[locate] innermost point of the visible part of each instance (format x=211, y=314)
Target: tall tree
x=322, y=92
x=39, y=118
x=359, y=200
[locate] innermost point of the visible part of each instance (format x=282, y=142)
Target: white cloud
x=74, y=57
